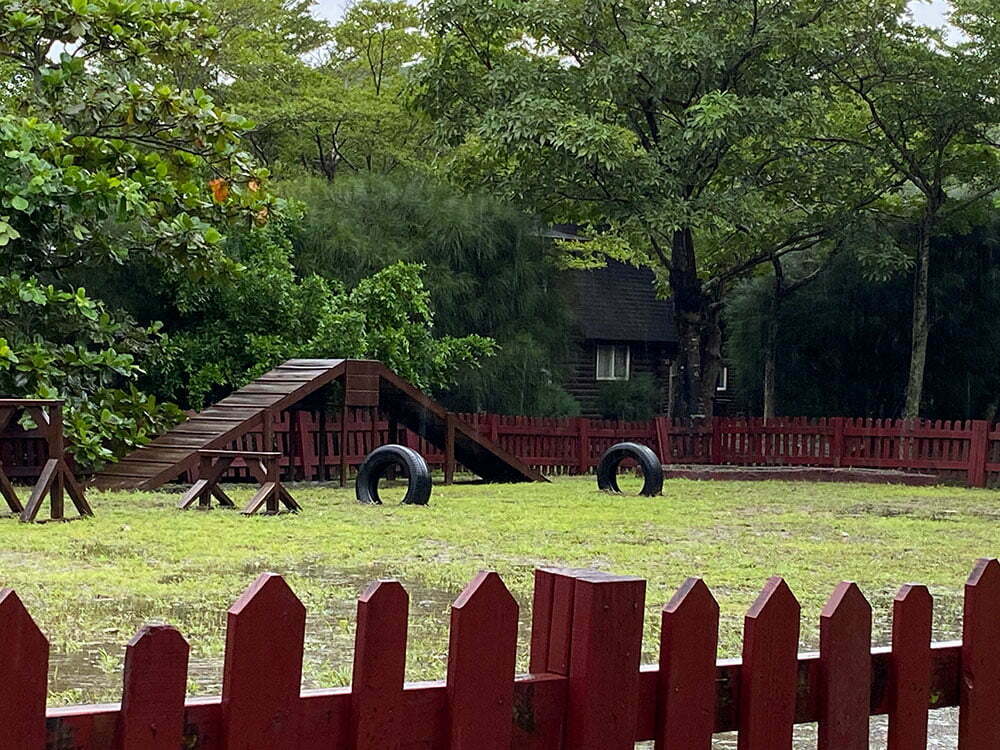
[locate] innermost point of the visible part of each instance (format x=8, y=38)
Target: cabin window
x=612, y=362
x=722, y=383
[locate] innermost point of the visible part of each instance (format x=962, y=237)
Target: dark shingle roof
x=618, y=303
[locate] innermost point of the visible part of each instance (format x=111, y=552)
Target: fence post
x=663, y=439
x=715, y=452
x=978, y=451
x=493, y=420
x=837, y=444
x=449, y=448
x=604, y=659
x=583, y=446
x=155, y=681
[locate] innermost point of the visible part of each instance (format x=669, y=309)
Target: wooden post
x=343, y=444
x=715, y=452
x=449, y=448
x=583, y=448
x=837, y=442
x=663, y=439
x=57, y=450
x=978, y=453
x=494, y=422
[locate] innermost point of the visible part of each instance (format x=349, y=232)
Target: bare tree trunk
x=770, y=363
x=921, y=325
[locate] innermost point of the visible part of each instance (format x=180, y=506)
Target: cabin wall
x=581, y=370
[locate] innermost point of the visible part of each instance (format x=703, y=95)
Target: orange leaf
x=220, y=189
x=254, y=185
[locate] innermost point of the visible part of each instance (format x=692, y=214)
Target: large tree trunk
x=921, y=326
x=770, y=362
x=698, y=332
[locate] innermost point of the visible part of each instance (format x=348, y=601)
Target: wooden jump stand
x=262, y=465
x=56, y=479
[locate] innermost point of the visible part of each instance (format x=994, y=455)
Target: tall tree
x=648, y=120
x=930, y=110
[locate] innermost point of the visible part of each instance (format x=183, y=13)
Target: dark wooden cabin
x=620, y=329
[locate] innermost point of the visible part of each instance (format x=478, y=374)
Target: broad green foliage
x=100, y=156
x=104, y=162
x=634, y=399
x=229, y=332
x=56, y=344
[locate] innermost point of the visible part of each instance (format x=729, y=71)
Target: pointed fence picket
x=586, y=690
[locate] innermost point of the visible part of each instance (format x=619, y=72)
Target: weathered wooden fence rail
x=311, y=443
x=586, y=689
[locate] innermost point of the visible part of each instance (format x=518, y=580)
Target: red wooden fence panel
x=770, y=669
x=689, y=637
x=262, y=674
x=845, y=641
x=24, y=666
x=481, y=655
x=979, y=717
x=379, y=667
x=910, y=668
x=155, y=685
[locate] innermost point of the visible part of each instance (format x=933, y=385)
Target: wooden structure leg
x=7, y=490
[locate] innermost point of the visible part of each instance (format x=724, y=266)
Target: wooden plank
x=979, y=715
x=686, y=693
x=770, y=669
x=603, y=705
x=155, y=684
x=262, y=672
x=910, y=668
x=482, y=647
x=379, y=667
x=44, y=485
x=24, y=665
x=845, y=663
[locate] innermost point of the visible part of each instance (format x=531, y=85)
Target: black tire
x=373, y=468
x=652, y=469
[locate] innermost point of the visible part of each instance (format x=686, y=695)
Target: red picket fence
x=573, y=446
x=586, y=689
x=311, y=443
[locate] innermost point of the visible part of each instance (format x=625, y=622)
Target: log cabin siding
x=581, y=368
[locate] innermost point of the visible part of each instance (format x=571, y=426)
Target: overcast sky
x=930, y=12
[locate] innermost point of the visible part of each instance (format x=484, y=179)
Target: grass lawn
x=90, y=585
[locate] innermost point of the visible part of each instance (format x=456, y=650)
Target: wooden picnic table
x=56, y=478
x=262, y=465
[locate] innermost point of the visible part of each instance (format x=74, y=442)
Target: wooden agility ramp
x=364, y=383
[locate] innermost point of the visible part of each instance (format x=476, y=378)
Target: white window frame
x=723, y=382
x=614, y=375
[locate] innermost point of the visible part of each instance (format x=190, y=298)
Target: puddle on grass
x=92, y=671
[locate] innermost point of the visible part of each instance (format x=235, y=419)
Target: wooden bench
x=56, y=479
x=262, y=465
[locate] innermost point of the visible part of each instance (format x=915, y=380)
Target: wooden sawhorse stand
x=56, y=477
x=262, y=465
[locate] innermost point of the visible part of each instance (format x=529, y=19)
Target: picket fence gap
x=586, y=691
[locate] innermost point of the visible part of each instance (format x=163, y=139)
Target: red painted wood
x=977, y=453
x=845, y=662
x=910, y=668
x=979, y=716
x=769, y=674
x=24, y=664
x=379, y=667
x=155, y=685
x=686, y=693
x=481, y=653
x=262, y=673
x=604, y=662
